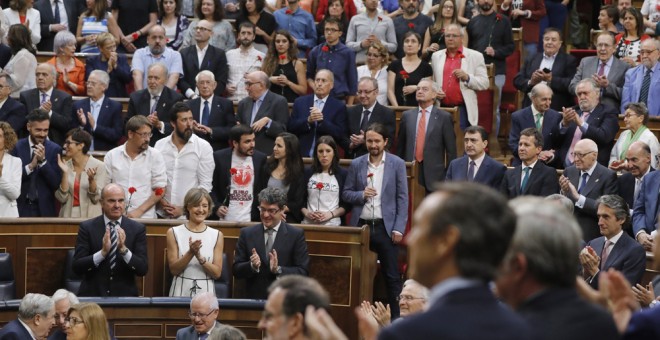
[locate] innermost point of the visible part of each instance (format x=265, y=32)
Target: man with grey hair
x=537, y=275
x=98, y=114
x=637, y=164
x=156, y=52
x=35, y=319
x=213, y=114
x=642, y=82
x=203, y=314
x=11, y=110
x=63, y=300
x=271, y=249
x=562, y=201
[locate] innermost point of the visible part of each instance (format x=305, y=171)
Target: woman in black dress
x=404, y=74
x=286, y=72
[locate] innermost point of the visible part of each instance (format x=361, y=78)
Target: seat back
x=222, y=284
x=71, y=280
x=7, y=281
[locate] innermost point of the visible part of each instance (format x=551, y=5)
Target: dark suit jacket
x=60, y=120
x=490, y=172
x=627, y=191
x=58, y=334
x=439, y=144
x=524, y=118
x=563, y=70
x=601, y=182
x=276, y=108
x=627, y=256
x=542, y=181
x=5, y=55
x=101, y=281
x=333, y=124
x=48, y=179
x=74, y=8
x=139, y=104
x=215, y=61
x=468, y=313
x=381, y=114
x=221, y=119
x=292, y=256
x=643, y=325
x=603, y=127
x=14, y=331
x=645, y=209
x=189, y=333
x=14, y=113
x=109, y=126
x=221, y=178
x=616, y=77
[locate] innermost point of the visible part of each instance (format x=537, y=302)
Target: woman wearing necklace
x=636, y=117
x=405, y=73
x=286, y=73
x=194, y=250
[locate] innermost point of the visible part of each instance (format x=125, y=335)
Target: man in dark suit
x=460, y=236
x=11, y=110
x=426, y=135
x=615, y=249
x=360, y=116
x=238, y=170
x=271, y=249
x=537, y=277
x=590, y=119
x=36, y=316
x=561, y=68
x=213, y=114
x=111, y=249
x=584, y=182
x=318, y=114
x=203, y=314
x=476, y=165
x=377, y=187
x=56, y=16
x=267, y=113
x=638, y=165
x=538, y=115
x=63, y=300
x=57, y=103
x=606, y=70
x=99, y=115
x=645, y=211
x=41, y=174
x=214, y=61
x=154, y=102
x=532, y=177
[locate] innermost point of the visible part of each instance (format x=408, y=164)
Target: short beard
x=185, y=135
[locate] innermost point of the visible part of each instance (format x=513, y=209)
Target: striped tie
x=113, y=240
x=644, y=91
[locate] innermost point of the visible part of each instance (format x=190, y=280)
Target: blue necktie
x=644, y=91
x=113, y=242
x=56, y=15
x=205, y=113
x=583, y=183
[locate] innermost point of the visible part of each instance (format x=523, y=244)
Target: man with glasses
x=410, y=20
x=584, y=182
x=35, y=319
x=643, y=82
x=271, y=249
x=156, y=52
x=63, y=300
x=203, y=314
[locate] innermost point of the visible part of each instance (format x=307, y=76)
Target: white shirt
x=98, y=256
x=201, y=53
x=64, y=19
x=145, y=173
x=241, y=189
x=372, y=207
x=239, y=64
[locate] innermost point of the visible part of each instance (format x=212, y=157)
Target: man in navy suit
x=36, y=316
x=460, y=236
x=538, y=115
x=11, y=110
x=637, y=164
x=41, y=174
x=318, y=114
x=476, y=165
x=99, y=115
x=645, y=211
x=532, y=177
x=377, y=187
x=213, y=114
x=271, y=249
x=111, y=249
x=203, y=314
x=615, y=249
x=54, y=20
x=647, y=72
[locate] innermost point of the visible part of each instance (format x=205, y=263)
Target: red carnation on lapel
x=258, y=58
x=411, y=25
x=325, y=48
x=369, y=175
x=132, y=190
x=498, y=17
x=288, y=12
x=380, y=19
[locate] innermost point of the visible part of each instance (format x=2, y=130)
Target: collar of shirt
x=276, y=228
x=152, y=95
x=324, y=99
x=166, y=51
x=27, y=328
x=609, y=62
x=478, y=161
x=535, y=112
x=648, y=170
x=428, y=109
x=449, y=285
x=48, y=93
x=170, y=141
x=98, y=102
x=531, y=165
x=261, y=98
x=382, y=161
x=140, y=154
x=203, y=50
x=616, y=238
x=210, y=100
x=458, y=51
x=371, y=109
x=106, y=220
x=549, y=57
x=590, y=171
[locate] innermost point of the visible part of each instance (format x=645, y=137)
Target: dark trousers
x=556, y=17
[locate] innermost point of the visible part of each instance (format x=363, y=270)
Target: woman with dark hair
x=86, y=321
x=629, y=42
x=264, y=22
x=404, y=74
x=115, y=64
x=285, y=170
x=607, y=19
x=134, y=18
x=286, y=73
x=23, y=63
x=223, y=33
x=335, y=10
x=434, y=37
x=11, y=170
x=21, y=12
x=322, y=10
x=173, y=22
x=325, y=183
x=94, y=21
x=83, y=177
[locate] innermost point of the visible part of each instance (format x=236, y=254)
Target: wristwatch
x=123, y=252
x=654, y=303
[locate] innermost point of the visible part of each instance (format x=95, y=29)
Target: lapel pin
x=163, y=104
x=597, y=179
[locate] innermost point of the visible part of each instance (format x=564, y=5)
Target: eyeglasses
x=330, y=30
x=366, y=91
x=269, y=211
x=407, y=298
x=69, y=142
x=144, y=134
x=580, y=155
x=647, y=51
x=73, y=321
x=199, y=28
x=199, y=315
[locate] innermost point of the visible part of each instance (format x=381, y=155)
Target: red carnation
x=325, y=48
x=404, y=75
x=132, y=190
x=282, y=56
x=498, y=17
x=380, y=19
x=288, y=12
x=626, y=41
x=259, y=58
x=233, y=171
x=370, y=175
x=411, y=25
x=319, y=185
x=460, y=55
x=159, y=191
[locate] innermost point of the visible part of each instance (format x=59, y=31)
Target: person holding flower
x=368, y=27
x=242, y=60
x=404, y=74
x=286, y=73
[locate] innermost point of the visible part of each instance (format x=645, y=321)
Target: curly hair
x=269, y=66
x=218, y=10
x=9, y=134
x=293, y=160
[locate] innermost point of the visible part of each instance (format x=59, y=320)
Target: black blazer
x=627, y=256
x=341, y=179
x=101, y=281
x=74, y=8
x=221, y=120
x=542, y=181
x=221, y=179
x=14, y=331
x=563, y=70
x=490, y=172
x=627, y=187
x=139, y=104
x=524, y=118
x=214, y=60
x=61, y=120
x=276, y=108
x=382, y=114
x=14, y=113
x=295, y=197
x=292, y=256
x=109, y=126
x=333, y=124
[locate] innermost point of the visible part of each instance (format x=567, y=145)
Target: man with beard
x=368, y=27
x=642, y=83
x=242, y=60
x=299, y=23
x=213, y=115
x=156, y=51
x=410, y=20
x=138, y=168
x=188, y=161
x=213, y=59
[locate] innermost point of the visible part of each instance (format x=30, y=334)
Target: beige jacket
x=90, y=203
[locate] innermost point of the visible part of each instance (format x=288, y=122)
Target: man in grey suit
x=584, y=182
x=203, y=314
x=612, y=76
x=266, y=112
x=437, y=146
x=377, y=187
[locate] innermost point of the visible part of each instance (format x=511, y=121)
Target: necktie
x=113, y=247
x=471, y=171
x=153, y=107
x=576, y=138
x=33, y=193
x=365, y=120
x=317, y=104
x=601, y=69
x=255, y=109
x=56, y=13
x=604, y=254
x=205, y=113
x=421, y=137
x=638, y=184
x=583, y=183
x=646, y=84
x=270, y=240
x=43, y=98
x=537, y=120
x=525, y=179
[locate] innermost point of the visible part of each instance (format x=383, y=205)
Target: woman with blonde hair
x=376, y=67
x=11, y=170
x=86, y=321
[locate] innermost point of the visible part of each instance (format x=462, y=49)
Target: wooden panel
x=44, y=262
x=334, y=272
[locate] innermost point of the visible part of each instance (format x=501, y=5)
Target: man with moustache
x=642, y=83
x=242, y=60
x=212, y=59
x=188, y=162
x=203, y=314
x=156, y=52
x=137, y=165
x=35, y=319
x=476, y=165
x=63, y=300
x=299, y=23
x=213, y=115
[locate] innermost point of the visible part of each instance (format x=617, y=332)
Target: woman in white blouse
x=23, y=63
x=21, y=12
x=10, y=172
x=636, y=117
x=376, y=67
